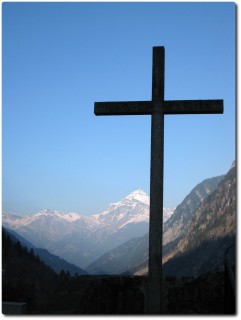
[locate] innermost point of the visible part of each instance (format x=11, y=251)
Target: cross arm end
x=193, y=106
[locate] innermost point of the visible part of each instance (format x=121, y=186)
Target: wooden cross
x=157, y=108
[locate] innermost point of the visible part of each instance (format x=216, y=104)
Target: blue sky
x=59, y=58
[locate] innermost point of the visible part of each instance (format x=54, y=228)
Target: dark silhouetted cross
x=157, y=108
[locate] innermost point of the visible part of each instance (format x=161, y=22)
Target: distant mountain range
x=115, y=241
x=82, y=239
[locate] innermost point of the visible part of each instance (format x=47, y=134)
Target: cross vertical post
x=156, y=184
x=157, y=108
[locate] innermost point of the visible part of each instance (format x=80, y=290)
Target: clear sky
x=59, y=58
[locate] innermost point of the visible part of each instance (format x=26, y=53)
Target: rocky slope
x=178, y=224
x=211, y=231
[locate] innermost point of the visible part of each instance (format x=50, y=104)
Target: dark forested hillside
x=51, y=260
x=25, y=277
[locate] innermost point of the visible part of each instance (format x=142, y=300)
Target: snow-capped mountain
x=133, y=254
x=82, y=239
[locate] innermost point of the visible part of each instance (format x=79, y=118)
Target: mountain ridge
x=136, y=196
x=80, y=239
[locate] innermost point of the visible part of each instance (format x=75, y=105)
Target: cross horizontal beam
x=123, y=108
x=166, y=107
x=193, y=106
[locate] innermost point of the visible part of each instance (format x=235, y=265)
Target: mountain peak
x=139, y=195
x=44, y=211
x=139, y=191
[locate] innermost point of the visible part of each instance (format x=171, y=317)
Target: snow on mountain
x=132, y=209
x=81, y=239
x=233, y=164
x=138, y=195
x=167, y=213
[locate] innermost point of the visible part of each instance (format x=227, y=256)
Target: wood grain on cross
x=157, y=108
